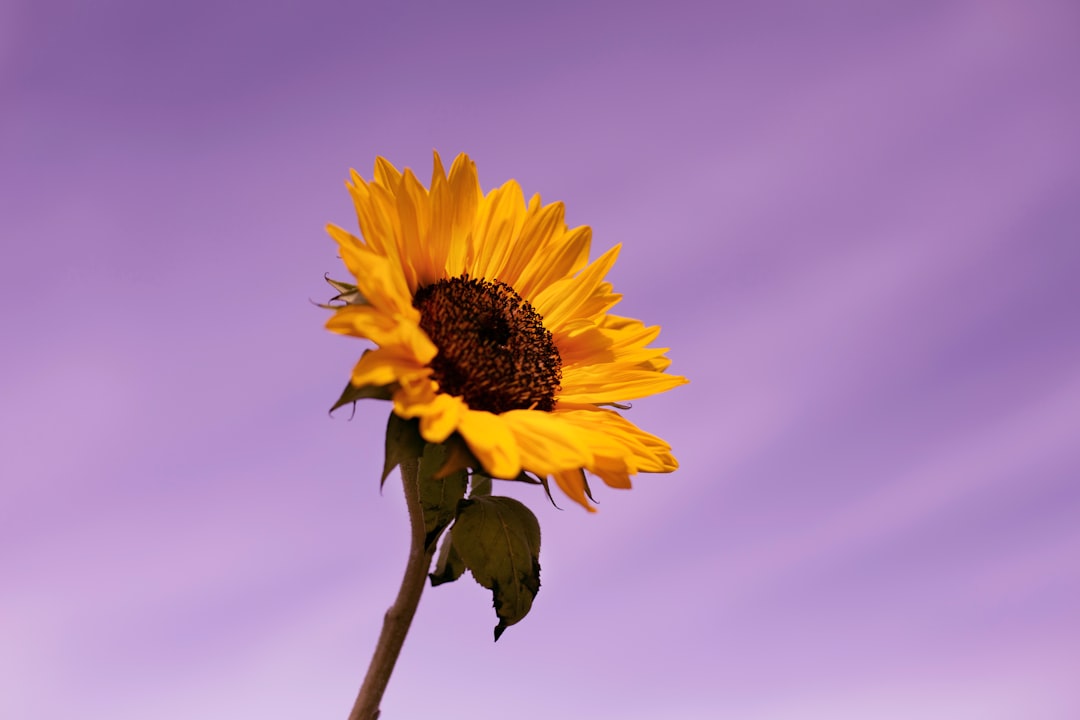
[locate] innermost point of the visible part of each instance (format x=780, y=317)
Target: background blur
x=857, y=223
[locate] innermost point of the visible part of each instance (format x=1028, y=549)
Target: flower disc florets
x=494, y=351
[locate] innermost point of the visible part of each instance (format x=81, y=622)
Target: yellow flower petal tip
x=490, y=322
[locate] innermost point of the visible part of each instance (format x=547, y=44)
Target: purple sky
x=857, y=224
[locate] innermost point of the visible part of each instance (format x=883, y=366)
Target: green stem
x=399, y=617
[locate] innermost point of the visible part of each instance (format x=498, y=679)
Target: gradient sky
x=857, y=223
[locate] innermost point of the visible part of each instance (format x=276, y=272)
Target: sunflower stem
x=400, y=615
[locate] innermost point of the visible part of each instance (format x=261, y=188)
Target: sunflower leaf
x=352, y=393
x=403, y=442
x=448, y=565
x=439, y=496
x=480, y=484
x=498, y=539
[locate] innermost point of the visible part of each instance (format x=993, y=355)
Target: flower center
x=494, y=350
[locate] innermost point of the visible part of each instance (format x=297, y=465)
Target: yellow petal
x=491, y=442
x=379, y=280
x=374, y=224
x=542, y=224
x=391, y=332
x=465, y=193
x=439, y=413
x=562, y=258
x=597, y=384
x=385, y=173
x=442, y=221
x=618, y=446
x=380, y=367
x=499, y=218
x=572, y=482
x=546, y=443
x=559, y=303
x=414, y=213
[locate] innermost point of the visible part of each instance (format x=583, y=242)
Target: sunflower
x=492, y=326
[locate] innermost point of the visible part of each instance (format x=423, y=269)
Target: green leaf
x=403, y=442
x=448, y=565
x=439, y=496
x=479, y=485
x=498, y=538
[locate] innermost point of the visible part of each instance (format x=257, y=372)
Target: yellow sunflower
x=491, y=323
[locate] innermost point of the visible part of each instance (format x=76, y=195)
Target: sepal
x=352, y=393
x=403, y=443
x=347, y=295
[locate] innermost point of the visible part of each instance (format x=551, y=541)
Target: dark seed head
x=494, y=350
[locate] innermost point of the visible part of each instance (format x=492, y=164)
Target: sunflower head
x=492, y=330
